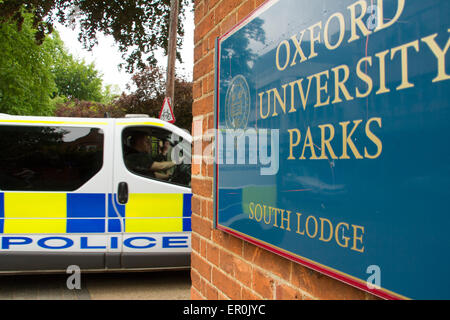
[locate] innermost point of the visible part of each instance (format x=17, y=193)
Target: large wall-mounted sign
x=333, y=140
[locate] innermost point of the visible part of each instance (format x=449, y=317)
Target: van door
x=53, y=182
x=154, y=194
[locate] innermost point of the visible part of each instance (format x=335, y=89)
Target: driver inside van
x=140, y=159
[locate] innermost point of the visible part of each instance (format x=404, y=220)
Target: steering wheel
x=182, y=174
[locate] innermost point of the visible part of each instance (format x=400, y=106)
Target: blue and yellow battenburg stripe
x=2, y=212
x=24, y=213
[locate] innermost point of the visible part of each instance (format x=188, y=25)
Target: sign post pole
x=172, y=51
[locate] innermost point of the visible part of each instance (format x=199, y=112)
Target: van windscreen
x=35, y=158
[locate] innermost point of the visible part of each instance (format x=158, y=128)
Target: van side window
x=37, y=158
x=157, y=154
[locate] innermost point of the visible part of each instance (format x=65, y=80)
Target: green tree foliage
x=30, y=74
x=139, y=27
x=147, y=99
x=75, y=79
x=34, y=78
x=149, y=96
x=26, y=80
x=110, y=93
x=88, y=109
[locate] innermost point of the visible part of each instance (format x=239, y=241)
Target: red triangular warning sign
x=166, y=112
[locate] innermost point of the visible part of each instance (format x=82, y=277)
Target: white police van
x=68, y=195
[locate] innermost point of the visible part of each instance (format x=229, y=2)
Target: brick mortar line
x=213, y=266
x=242, y=287
x=210, y=282
x=216, y=23
x=206, y=36
x=200, y=177
x=264, y=271
x=273, y=276
x=282, y=282
x=210, y=71
x=202, y=217
x=209, y=114
x=200, y=61
x=207, y=262
x=209, y=51
x=204, y=96
x=210, y=10
x=204, y=198
x=276, y=278
x=204, y=56
x=268, y=273
x=202, y=117
x=199, y=293
x=202, y=279
x=239, y=282
x=201, y=79
x=205, y=115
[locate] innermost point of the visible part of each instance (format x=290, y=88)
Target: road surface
x=163, y=285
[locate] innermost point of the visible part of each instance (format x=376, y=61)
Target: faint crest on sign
x=237, y=104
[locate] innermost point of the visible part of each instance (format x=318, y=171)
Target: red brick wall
x=225, y=267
